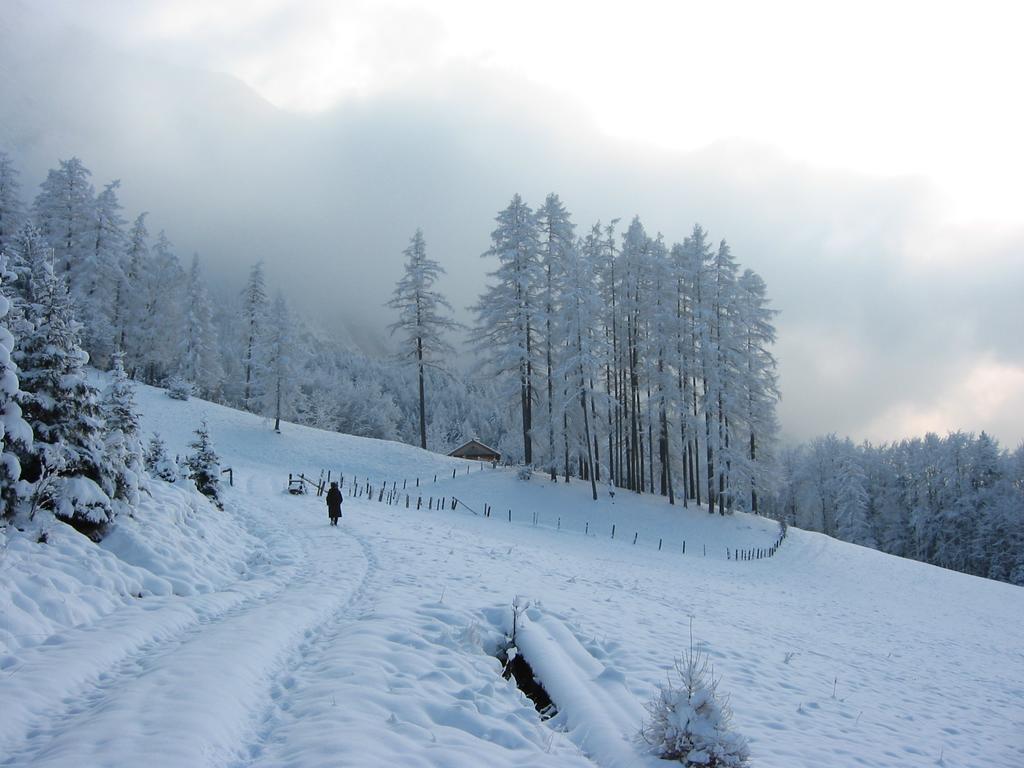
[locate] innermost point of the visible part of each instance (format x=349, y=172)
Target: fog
x=892, y=320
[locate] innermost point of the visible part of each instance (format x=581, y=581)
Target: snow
x=258, y=635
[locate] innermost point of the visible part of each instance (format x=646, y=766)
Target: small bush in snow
x=525, y=473
x=691, y=721
x=158, y=462
x=204, y=465
x=179, y=389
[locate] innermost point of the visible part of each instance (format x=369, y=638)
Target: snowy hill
x=260, y=636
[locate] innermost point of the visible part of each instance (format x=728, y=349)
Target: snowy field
x=260, y=636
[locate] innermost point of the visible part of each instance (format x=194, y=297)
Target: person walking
x=334, y=503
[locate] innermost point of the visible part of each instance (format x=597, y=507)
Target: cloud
x=891, y=319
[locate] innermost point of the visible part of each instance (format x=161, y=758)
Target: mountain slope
x=371, y=644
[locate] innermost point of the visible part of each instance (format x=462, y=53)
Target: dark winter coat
x=334, y=502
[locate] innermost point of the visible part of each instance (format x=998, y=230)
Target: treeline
x=618, y=359
x=956, y=501
x=244, y=347
x=631, y=360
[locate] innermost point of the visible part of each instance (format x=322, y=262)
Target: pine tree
x=11, y=209
x=421, y=318
x=161, y=328
x=508, y=312
x=759, y=381
x=96, y=292
x=253, y=310
x=204, y=465
x=131, y=303
x=691, y=722
x=67, y=461
x=277, y=374
x=200, y=364
x=158, y=463
x=64, y=209
x=555, y=235
x=123, y=444
x=578, y=320
x=15, y=432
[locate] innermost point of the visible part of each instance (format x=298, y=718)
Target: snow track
x=304, y=659
x=203, y=663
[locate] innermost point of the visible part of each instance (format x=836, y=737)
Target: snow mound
x=55, y=578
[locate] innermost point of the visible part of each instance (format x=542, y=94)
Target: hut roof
x=474, y=449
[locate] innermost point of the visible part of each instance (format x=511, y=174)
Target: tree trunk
x=423, y=398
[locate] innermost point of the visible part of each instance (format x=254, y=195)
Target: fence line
x=382, y=494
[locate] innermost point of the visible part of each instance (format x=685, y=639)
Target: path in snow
x=189, y=689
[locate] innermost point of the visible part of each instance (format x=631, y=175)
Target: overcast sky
x=863, y=157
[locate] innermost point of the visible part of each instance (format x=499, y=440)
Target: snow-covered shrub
x=525, y=473
x=158, y=462
x=204, y=465
x=123, y=445
x=14, y=430
x=691, y=722
x=179, y=389
x=61, y=406
x=80, y=499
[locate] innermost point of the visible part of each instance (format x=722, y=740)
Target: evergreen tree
x=200, y=364
x=131, y=303
x=15, y=433
x=161, y=329
x=421, y=318
x=555, y=235
x=579, y=319
x=759, y=390
x=11, y=209
x=67, y=461
x=64, y=210
x=691, y=722
x=508, y=313
x=278, y=375
x=254, y=310
x=123, y=444
x=204, y=465
x=158, y=463
x=96, y=293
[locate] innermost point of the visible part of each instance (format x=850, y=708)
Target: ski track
x=282, y=690
x=178, y=621
x=57, y=731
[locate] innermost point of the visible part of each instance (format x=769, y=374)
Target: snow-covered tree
x=15, y=433
x=131, y=301
x=123, y=443
x=422, y=318
x=759, y=390
x=204, y=465
x=64, y=210
x=200, y=363
x=12, y=211
x=508, y=312
x=26, y=248
x=691, y=722
x=95, y=292
x=158, y=463
x=278, y=372
x=555, y=234
x=67, y=461
x=163, y=287
x=254, y=309
x=578, y=319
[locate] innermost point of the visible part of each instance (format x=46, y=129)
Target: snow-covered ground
x=260, y=636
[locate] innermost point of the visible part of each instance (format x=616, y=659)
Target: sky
x=863, y=157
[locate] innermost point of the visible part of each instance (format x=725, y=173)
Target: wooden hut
x=476, y=451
